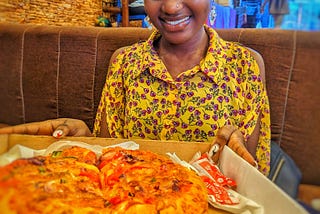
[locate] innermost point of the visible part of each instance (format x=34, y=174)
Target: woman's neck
x=181, y=57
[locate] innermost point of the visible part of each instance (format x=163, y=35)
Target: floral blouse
x=142, y=100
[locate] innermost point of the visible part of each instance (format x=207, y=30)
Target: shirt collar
x=209, y=65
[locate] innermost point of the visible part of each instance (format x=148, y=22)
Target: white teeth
x=178, y=21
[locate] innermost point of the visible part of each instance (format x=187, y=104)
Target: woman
x=183, y=83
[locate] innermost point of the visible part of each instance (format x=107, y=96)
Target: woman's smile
x=175, y=24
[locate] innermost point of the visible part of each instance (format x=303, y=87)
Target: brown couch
x=50, y=72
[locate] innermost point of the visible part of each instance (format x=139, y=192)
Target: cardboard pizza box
x=251, y=183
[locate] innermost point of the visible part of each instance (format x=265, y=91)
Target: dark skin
x=183, y=44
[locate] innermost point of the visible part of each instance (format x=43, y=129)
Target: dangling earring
x=147, y=23
x=212, y=15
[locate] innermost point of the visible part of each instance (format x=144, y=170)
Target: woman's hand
x=57, y=128
x=231, y=136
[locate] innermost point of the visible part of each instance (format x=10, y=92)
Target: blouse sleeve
x=112, y=100
x=256, y=102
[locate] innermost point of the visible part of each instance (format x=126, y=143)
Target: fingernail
x=57, y=133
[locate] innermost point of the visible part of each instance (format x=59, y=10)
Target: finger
x=62, y=129
x=36, y=128
x=70, y=127
x=237, y=144
x=222, y=138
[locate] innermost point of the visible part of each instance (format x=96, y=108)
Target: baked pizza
x=75, y=180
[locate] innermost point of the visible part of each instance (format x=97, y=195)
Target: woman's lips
x=176, y=25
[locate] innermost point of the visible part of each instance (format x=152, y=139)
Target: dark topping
x=130, y=158
x=38, y=161
x=175, y=185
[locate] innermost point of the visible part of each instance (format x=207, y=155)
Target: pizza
x=76, y=180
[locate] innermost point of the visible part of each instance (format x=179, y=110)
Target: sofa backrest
x=49, y=72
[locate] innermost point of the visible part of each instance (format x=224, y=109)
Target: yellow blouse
x=142, y=100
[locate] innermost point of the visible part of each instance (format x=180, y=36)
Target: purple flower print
x=220, y=99
x=242, y=112
x=232, y=74
x=153, y=94
x=139, y=124
x=155, y=122
x=184, y=125
x=196, y=131
x=246, y=126
x=199, y=123
x=186, y=84
x=254, y=77
x=226, y=78
x=163, y=101
x=151, y=64
x=155, y=101
x=116, y=118
x=215, y=117
x=155, y=132
x=209, y=96
x=147, y=130
x=173, y=130
x=176, y=123
x=238, y=89
x=206, y=116
x=177, y=103
x=191, y=108
x=183, y=96
x=200, y=85
x=210, y=133
x=190, y=94
x=141, y=134
x=196, y=113
x=188, y=132
x=133, y=118
x=204, y=78
x=234, y=112
x=214, y=126
x=159, y=113
x=235, y=94
x=134, y=103
x=166, y=126
x=166, y=93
